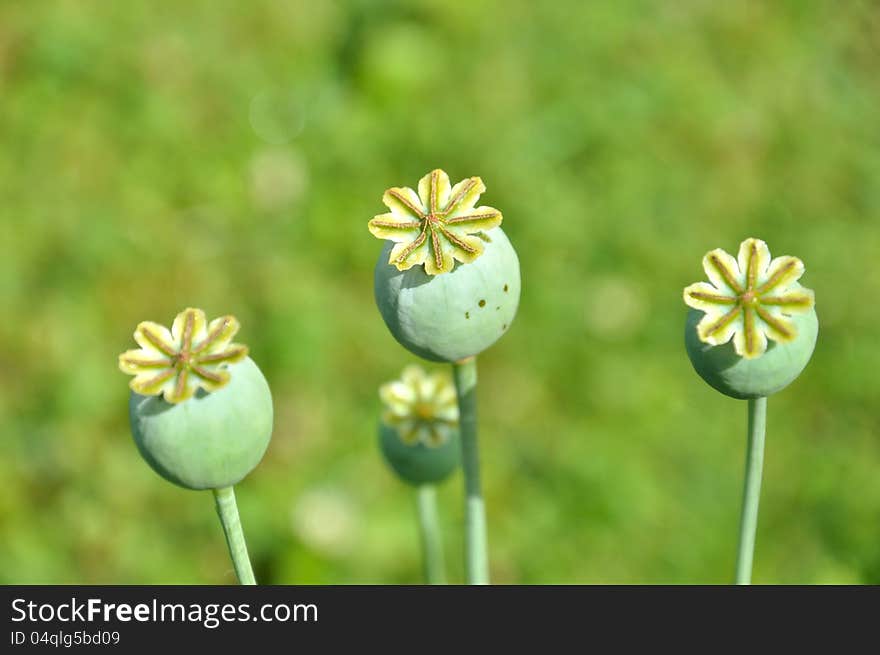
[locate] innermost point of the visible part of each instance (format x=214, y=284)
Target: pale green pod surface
x=212, y=440
x=419, y=463
x=448, y=317
x=743, y=378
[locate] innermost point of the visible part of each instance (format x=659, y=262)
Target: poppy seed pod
x=446, y=318
x=418, y=463
x=211, y=441
x=447, y=283
x=200, y=409
x=418, y=434
x=742, y=378
x=752, y=330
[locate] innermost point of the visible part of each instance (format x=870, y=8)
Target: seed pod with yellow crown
x=750, y=332
x=419, y=438
x=447, y=285
x=200, y=412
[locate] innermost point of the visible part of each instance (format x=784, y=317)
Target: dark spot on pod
x=467, y=314
x=497, y=308
x=482, y=303
x=505, y=288
x=504, y=327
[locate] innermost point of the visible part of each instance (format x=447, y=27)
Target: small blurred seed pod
x=751, y=330
x=448, y=282
x=200, y=409
x=418, y=433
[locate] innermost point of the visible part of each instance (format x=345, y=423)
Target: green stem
x=429, y=528
x=227, y=510
x=476, y=551
x=752, y=490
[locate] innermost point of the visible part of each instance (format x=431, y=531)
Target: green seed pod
x=742, y=378
x=419, y=464
x=751, y=331
x=211, y=441
x=448, y=282
x=200, y=409
x=419, y=434
x=446, y=318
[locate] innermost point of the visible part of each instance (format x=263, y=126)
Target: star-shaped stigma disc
x=436, y=226
x=750, y=298
x=422, y=408
x=192, y=354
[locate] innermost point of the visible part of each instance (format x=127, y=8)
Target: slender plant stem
x=476, y=550
x=751, y=490
x=227, y=510
x=429, y=528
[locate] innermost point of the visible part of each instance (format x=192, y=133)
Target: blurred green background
x=228, y=155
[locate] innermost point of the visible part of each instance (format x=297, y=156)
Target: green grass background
x=227, y=155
